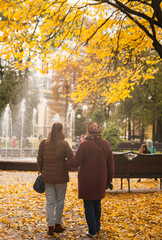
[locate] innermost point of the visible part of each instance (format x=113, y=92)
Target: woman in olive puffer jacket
x=54, y=151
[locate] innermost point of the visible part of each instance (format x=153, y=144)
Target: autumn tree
x=147, y=15
x=113, y=35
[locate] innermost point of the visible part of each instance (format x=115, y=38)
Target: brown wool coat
x=95, y=169
x=54, y=170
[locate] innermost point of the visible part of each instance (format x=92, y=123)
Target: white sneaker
x=90, y=235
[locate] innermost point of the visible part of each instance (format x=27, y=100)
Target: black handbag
x=38, y=185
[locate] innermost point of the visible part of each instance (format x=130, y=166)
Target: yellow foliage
x=55, y=30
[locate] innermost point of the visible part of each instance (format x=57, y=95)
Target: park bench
x=134, y=146
x=133, y=165
x=127, y=165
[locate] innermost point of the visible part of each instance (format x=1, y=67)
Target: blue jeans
x=55, y=196
x=93, y=215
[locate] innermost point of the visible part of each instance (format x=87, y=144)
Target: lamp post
x=85, y=108
x=78, y=116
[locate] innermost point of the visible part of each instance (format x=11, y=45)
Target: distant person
x=82, y=138
x=77, y=142
x=27, y=143
x=54, y=151
x=13, y=142
x=96, y=169
x=143, y=150
x=150, y=146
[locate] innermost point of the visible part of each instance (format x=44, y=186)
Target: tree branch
x=118, y=5
x=124, y=8
x=98, y=29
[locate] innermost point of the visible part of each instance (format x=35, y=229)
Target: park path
x=13, y=178
x=23, y=210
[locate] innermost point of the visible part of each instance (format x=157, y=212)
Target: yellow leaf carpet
x=134, y=215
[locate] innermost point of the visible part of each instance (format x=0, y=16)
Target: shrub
x=98, y=116
x=112, y=134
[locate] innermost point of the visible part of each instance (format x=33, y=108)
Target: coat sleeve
x=76, y=160
x=68, y=152
x=40, y=155
x=110, y=166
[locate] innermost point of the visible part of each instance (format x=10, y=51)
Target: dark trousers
x=93, y=215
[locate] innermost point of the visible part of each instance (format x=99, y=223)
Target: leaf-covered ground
x=134, y=215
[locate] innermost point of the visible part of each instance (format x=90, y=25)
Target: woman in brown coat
x=96, y=168
x=54, y=151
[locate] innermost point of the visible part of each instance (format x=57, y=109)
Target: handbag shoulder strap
x=99, y=149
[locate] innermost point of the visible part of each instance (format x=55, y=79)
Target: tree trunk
x=159, y=130
x=133, y=129
x=66, y=117
x=125, y=132
x=153, y=130
x=142, y=133
x=158, y=48
x=107, y=111
x=129, y=128
x=66, y=109
x=139, y=128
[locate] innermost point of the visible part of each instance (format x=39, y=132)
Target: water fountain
x=33, y=121
x=43, y=116
x=56, y=118
x=72, y=124
x=22, y=110
x=6, y=126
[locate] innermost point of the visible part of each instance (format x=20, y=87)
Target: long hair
x=56, y=133
x=146, y=149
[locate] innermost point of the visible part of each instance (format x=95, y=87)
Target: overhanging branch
x=98, y=28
